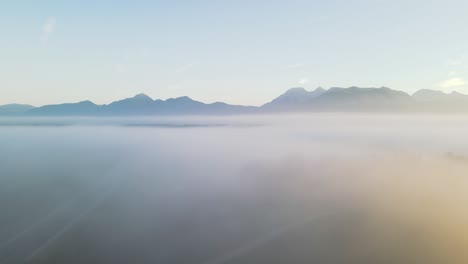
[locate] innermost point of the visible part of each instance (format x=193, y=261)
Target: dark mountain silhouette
x=341, y=99
x=335, y=99
x=142, y=104
x=81, y=108
x=293, y=98
x=15, y=108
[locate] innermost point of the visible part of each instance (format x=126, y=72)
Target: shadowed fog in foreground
x=287, y=189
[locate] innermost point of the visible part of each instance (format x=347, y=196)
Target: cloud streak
x=303, y=80
x=185, y=67
x=452, y=83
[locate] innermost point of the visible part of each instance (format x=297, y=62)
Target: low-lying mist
x=321, y=188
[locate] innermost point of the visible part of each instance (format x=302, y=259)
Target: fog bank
x=321, y=188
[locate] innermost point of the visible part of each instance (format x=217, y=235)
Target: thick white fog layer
x=321, y=188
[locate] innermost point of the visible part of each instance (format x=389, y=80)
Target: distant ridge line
x=298, y=99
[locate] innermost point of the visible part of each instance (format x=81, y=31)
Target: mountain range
x=335, y=99
x=15, y=108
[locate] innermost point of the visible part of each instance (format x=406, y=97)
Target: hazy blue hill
x=81, y=108
x=363, y=99
x=293, y=98
x=182, y=105
x=139, y=104
x=433, y=95
x=437, y=101
x=335, y=99
x=364, y=93
x=429, y=95
x=341, y=99
x=186, y=105
x=142, y=104
x=15, y=108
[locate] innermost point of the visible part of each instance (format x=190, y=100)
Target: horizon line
x=296, y=87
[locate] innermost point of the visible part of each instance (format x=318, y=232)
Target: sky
x=240, y=52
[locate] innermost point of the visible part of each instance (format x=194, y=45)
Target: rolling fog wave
x=321, y=188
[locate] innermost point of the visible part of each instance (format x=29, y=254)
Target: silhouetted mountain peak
x=296, y=90
x=319, y=90
x=184, y=98
x=293, y=96
x=15, y=108
x=181, y=99
x=339, y=99
x=81, y=108
x=359, y=91
x=142, y=97
x=428, y=93
x=86, y=102
x=137, y=99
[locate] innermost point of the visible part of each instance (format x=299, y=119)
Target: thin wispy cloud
x=185, y=67
x=303, y=81
x=48, y=28
x=452, y=83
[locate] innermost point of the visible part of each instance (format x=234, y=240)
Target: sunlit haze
x=239, y=52
x=234, y=132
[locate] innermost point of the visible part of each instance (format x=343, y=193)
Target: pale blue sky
x=243, y=52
